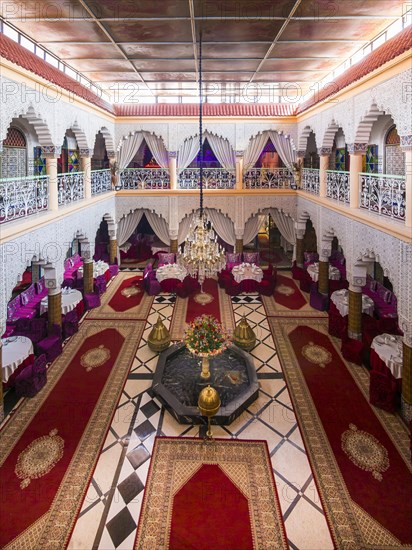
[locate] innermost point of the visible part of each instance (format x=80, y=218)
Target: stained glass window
x=371, y=160
x=340, y=159
x=39, y=163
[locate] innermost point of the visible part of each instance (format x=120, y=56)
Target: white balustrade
x=337, y=185
x=70, y=187
x=101, y=181
x=265, y=178
x=145, y=178
x=22, y=197
x=213, y=178
x=383, y=194
x=310, y=180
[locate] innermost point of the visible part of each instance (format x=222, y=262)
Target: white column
x=239, y=170
x=356, y=151
x=173, y=169
x=86, y=166
x=51, y=155
x=324, y=154
x=408, y=182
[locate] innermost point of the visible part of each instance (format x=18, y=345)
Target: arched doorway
x=13, y=159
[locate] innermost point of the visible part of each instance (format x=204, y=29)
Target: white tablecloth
x=341, y=300
x=14, y=351
x=247, y=271
x=171, y=271
x=70, y=298
x=390, y=350
x=99, y=268
x=313, y=270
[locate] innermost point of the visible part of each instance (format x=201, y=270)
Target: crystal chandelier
x=201, y=255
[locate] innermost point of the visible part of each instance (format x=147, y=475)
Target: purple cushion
x=251, y=257
x=24, y=299
x=233, y=257
x=373, y=285
x=166, y=257
x=40, y=286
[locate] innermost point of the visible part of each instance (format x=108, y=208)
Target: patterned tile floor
x=110, y=512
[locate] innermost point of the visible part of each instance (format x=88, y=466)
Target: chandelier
x=201, y=254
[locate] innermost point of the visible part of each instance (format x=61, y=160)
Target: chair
x=338, y=325
x=169, y=285
x=147, y=269
x=51, y=346
x=32, y=378
x=181, y=290
x=100, y=284
x=191, y=284
x=249, y=285
x=165, y=258
x=91, y=301
x=232, y=259
x=305, y=282
x=151, y=285
x=382, y=391
x=70, y=324
x=233, y=288
x=352, y=350
x=35, y=329
x=251, y=257
x=266, y=286
x=317, y=300
x=113, y=270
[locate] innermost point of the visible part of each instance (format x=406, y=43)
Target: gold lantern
x=209, y=404
x=243, y=335
x=159, y=337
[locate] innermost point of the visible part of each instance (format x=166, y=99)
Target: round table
x=99, y=268
x=313, y=270
x=70, y=298
x=15, y=349
x=389, y=349
x=341, y=300
x=170, y=271
x=247, y=271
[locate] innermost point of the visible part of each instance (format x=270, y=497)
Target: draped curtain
x=222, y=225
x=187, y=153
x=284, y=148
x=159, y=226
x=157, y=149
x=127, y=225
x=129, y=148
x=286, y=226
x=184, y=228
x=223, y=150
x=252, y=227
x=253, y=150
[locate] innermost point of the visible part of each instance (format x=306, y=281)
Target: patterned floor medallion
x=130, y=291
x=317, y=355
x=285, y=290
x=365, y=451
x=94, y=358
x=39, y=458
x=203, y=298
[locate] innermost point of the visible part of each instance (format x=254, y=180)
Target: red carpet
x=358, y=466
x=44, y=469
x=288, y=294
x=128, y=295
x=186, y=309
x=202, y=495
x=271, y=256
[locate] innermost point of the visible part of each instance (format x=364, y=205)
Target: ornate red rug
x=359, y=454
x=214, y=301
x=50, y=446
x=213, y=494
x=124, y=299
x=288, y=301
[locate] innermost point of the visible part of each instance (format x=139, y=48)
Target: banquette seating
x=27, y=303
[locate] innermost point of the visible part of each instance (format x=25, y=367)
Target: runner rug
x=124, y=299
x=216, y=302
x=49, y=448
x=359, y=454
x=214, y=494
x=288, y=301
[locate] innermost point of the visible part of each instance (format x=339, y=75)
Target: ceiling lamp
x=201, y=255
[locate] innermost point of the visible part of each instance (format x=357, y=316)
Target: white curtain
x=253, y=150
x=157, y=149
x=129, y=148
x=286, y=226
x=223, y=150
x=187, y=153
x=222, y=225
x=159, y=226
x=284, y=148
x=127, y=225
x=184, y=228
x=252, y=227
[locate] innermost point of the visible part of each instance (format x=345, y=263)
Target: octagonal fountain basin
x=177, y=383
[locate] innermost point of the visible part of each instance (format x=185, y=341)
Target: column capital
x=406, y=142
x=324, y=151
x=172, y=154
x=111, y=154
x=86, y=152
x=357, y=148
x=51, y=152
x=301, y=153
x=239, y=154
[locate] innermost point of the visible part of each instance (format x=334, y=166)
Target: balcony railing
x=213, y=178
x=70, y=187
x=263, y=178
x=383, y=194
x=101, y=181
x=145, y=178
x=22, y=197
x=310, y=180
x=337, y=185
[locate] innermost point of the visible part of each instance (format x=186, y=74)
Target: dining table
x=389, y=349
x=341, y=300
x=99, y=268
x=313, y=270
x=171, y=271
x=70, y=298
x=15, y=349
x=245, y=271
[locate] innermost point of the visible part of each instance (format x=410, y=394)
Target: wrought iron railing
x=70, y=187
x=383, y=194
x=145, y=178
x=213, y=178
x=310, y=180
x=22, y=197
x=264, y=178
x=337, y=185
x=101, y=181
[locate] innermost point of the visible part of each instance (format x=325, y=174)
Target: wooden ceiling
x=150, y=47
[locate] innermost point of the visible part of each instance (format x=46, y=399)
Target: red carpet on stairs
x=359, y=456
